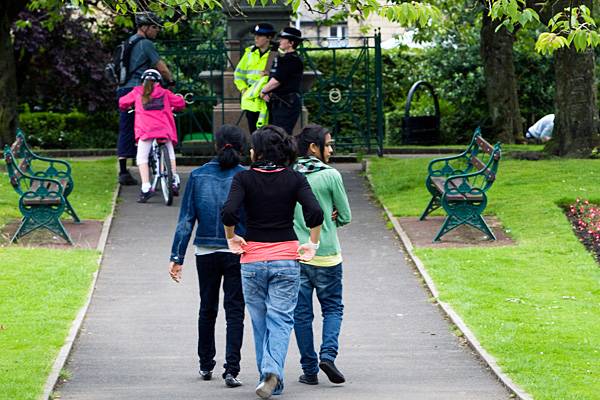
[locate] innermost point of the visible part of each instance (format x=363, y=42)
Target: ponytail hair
x=272, y=144
x=148, y=89
x=311, y=133
x=229, y=140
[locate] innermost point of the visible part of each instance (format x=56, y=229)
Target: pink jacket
x=155, y=118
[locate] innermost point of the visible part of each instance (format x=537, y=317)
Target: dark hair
x=311, y=133
x=229, y=140
x=272, y=144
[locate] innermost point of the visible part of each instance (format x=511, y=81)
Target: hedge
x=73, y=130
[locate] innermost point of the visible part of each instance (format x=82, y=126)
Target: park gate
x=346, y=93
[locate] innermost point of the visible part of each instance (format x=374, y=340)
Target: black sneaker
x=231, y=381
x=309, y=379
x=334, y=374
x=206, y=375
x=145, y=196
x=126, y=179
x=175, y=189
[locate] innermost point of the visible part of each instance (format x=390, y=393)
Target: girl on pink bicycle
x=154, y=119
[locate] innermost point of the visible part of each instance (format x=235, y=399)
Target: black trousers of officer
x=284, y=111
x=252, y=117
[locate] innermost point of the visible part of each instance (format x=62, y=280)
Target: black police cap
x=264, y=29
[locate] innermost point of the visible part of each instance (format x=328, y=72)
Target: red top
x=270, y=251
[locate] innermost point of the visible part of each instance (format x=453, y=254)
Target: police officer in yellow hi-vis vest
x=251, y=75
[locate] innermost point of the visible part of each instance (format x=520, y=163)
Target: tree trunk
x=501, y=82
x=8, y=82
x=576, y=122
x=576, y=105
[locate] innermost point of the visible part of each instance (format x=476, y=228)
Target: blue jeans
x=271, y=292
x=327, y=281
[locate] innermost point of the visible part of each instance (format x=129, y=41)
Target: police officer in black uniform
x=282, y=92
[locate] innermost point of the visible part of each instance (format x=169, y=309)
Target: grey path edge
x=65, y=350
x=447, y=308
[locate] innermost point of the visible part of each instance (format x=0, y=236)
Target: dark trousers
x=252, y=117
x=211, y=268
x=126, y=143
x=284, y=111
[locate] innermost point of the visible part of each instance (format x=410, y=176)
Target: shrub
x=393, y=127
x=50, y=130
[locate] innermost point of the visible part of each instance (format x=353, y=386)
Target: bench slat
x=484, y=145
x=16, y=146
x=477, y=163
x=50, y=201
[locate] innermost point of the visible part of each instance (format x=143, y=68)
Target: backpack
x=117, y=71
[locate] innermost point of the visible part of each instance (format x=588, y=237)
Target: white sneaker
x=264, y=390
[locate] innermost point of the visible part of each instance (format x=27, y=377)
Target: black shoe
x=264, y=390
x=231, y=381
x=144, y=196
x=309, y=379
x=126, y=179
x=334, y=375
x=206, y=375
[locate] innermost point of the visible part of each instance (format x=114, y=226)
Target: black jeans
x=284, y=111
x=211, y=268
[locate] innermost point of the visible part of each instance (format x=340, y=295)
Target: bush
x=74, y=130
x=393, y=127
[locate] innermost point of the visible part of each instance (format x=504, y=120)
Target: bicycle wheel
x=166, y=175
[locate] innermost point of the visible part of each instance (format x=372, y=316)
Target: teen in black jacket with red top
x=270, y=249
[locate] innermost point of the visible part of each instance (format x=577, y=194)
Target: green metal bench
x=41, y=201
x=45, y=167
x=459, y=185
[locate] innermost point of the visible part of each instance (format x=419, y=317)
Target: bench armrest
x=56, y=167
x=44, y=180
x=40, y=187
x=475, y=182
x=443, y=166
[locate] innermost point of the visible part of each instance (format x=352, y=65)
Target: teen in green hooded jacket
x=323, y=273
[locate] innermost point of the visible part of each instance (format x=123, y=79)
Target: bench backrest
x=483, y=161
x=20, y=148
x=17, y=178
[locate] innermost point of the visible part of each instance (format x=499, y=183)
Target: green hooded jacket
x=328, y=187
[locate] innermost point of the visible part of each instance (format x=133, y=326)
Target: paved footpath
x=139, y=338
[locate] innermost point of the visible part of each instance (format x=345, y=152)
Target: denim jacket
x=204, y=196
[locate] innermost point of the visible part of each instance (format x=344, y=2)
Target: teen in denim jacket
x=205, y=193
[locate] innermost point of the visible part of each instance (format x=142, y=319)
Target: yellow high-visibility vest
x=252, y=96
x=248, y=73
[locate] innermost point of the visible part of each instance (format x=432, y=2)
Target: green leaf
x=580, y=41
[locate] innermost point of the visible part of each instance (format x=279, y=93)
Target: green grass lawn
x=535, y=306
x=41, y=290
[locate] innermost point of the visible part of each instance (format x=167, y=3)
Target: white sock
x=146, y=187
x=176, y=179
